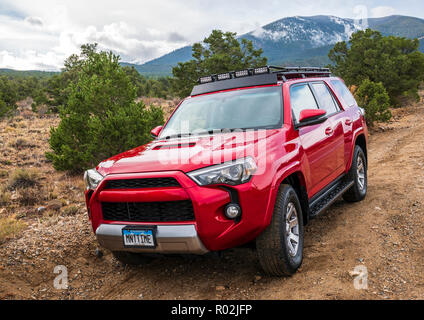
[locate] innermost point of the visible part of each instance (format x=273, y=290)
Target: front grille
x=173, y=211
x=142, y=183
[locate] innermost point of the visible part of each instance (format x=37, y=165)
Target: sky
x=39, y=35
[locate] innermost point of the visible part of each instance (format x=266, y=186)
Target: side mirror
x=156, y=132
x=309, y=117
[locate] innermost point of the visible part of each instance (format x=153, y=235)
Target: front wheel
x=358, y=174
x=280, y=247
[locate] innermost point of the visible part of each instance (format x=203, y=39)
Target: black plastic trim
x=251, y=81
x=329, y=195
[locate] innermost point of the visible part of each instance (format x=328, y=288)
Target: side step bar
x=328, y=197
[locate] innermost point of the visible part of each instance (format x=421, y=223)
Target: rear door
x=317, y=140
x=335, y=128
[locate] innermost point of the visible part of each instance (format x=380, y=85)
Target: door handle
x=329, y=131
x=348, y=122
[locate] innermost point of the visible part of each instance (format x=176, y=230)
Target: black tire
x=357, y=192
x=129, y=258
x=272, y=246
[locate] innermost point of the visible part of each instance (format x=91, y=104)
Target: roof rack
x=255, y=77
x=300, y=72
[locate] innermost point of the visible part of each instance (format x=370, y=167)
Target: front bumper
x=170, y=239
x=210, y=230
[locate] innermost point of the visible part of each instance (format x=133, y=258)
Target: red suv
x=249, y=158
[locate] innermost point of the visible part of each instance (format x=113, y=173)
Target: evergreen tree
x=395, y=62
x=100, y=118
x=220, y=52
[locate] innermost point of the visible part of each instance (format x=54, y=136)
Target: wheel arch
x=362, y=142
x=296, y=179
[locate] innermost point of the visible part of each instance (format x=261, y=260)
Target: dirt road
x=384, y=233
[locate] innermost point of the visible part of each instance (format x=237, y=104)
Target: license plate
x=139, y=237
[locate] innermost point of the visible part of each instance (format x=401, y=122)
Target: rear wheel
x=280, y=247
x=358, y=174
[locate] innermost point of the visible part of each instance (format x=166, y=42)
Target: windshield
x=259, y=108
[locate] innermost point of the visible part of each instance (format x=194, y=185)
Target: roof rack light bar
x=261, y=70
x=284, y=72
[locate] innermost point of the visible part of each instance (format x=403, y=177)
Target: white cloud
x=30, y=60
x=34, y=21
x=382, y=11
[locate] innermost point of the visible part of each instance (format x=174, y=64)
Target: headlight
x=92, y=179
x=231, y=173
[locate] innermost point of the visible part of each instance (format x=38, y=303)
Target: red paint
x=311, y=114
x=316, y=154
x=156, y=131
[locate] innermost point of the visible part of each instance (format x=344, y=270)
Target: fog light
x=233, y=211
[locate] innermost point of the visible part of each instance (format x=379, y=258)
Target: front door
x=318, y=141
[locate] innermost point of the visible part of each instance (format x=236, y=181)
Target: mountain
x=299, y=40
x=31, y=73
x=163, y=66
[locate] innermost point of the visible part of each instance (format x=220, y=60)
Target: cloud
x=35, y=21
x=176, y=37
x=30, y=60
x=124, y=40
x=382, y=11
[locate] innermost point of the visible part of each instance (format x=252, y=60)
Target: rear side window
x=325, y=98
x=301, y=98
x=344, y=92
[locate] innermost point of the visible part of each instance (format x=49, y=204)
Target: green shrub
x=101, y=117
x=4, y=109
x=218, y=53
x=394, y=61
x=374, y=98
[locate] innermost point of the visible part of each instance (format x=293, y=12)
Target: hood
x=188, y=154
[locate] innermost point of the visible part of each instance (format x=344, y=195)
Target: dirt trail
x=384, y=233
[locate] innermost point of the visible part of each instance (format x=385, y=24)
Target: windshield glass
x=259, y=108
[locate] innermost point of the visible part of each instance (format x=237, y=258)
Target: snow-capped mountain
x=314, y=31
x=301, y=40
x=295, y=38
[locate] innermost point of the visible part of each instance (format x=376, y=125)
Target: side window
x=325, y=98
x=301, y=98
x=344, y=92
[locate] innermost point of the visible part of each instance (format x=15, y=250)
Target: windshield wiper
x=216, y=131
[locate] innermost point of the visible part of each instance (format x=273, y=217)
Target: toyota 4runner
x=248, y=159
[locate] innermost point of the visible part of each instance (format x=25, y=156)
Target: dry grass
x=5, y=197
x=31, y=196
x=168, y=106
x=4, y=173
x=10, y=227
x=28, y=180
x=70, y=211
x=23, y=178
x=21, y=143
